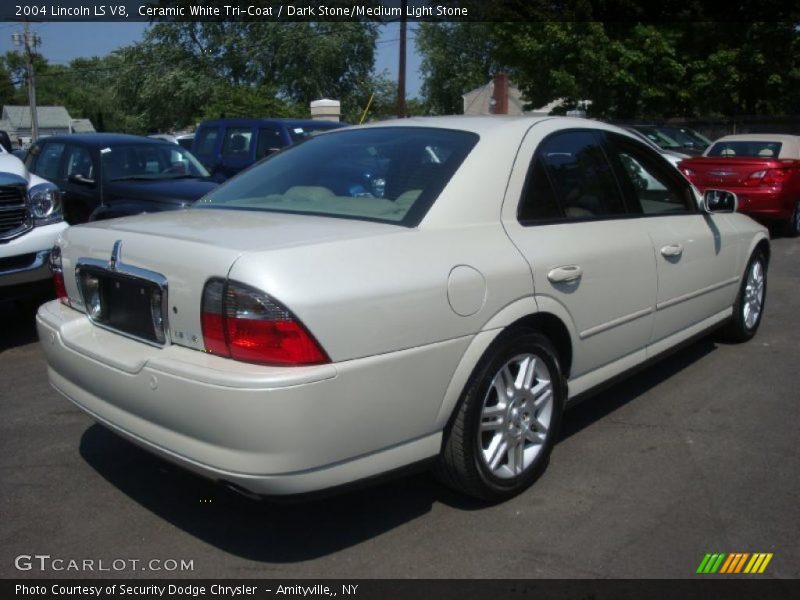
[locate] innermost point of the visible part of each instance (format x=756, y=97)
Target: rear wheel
x=749, y=305
x=501, y=436
x=792, y=228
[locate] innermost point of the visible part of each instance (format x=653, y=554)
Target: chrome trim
x=694, y=294
x=115, y=266
x=39, y=260
x=9, y=180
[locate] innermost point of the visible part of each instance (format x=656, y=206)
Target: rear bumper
x=269, y=430
x=766, y=204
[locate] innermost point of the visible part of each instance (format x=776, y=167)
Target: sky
x=63, y=42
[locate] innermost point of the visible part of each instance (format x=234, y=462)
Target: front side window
x=79, y=163
x=207, y=140
x=581, y=175
x=386, y=174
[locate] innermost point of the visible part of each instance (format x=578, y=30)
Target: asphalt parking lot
x=696, y=454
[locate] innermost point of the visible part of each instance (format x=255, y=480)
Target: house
x=501, y=97
x=52, y=120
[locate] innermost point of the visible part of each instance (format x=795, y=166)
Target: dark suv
x=226, y=146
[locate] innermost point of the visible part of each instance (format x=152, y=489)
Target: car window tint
x=390, y=174
x=79, y=163
x=582, y=176
x=207, y=140
x=538, y=198
x=269, y=141
x=237, y=142
x=761, y=149
x=650, y=183
x=654, y=192
x=49, y=160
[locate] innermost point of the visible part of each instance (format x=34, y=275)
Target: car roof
x=269, y=121
x=103, y=139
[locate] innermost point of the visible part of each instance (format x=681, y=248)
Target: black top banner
x=395, y=10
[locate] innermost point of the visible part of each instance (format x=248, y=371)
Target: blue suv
x=227, y=146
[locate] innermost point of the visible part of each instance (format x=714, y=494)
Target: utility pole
x=401, y=71
x=28, y=42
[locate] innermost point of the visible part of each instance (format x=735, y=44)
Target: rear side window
x=237, y=142
x=206, y=140
x=49, y=160
x=539, y=201
x=581, y=175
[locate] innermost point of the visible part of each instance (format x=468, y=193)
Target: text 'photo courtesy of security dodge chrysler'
x=421, y=290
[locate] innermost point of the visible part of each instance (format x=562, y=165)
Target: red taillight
x=690, y=175
x=246, y=324
x=58, y=275
x=767, y=177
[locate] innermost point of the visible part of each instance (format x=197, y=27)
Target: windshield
x=149, y=161
x=385, y=174
x=659, y=138
x=762, y=149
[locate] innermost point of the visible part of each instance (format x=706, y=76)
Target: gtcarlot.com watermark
x=45, y=562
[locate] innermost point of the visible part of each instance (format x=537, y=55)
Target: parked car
x=5, y=142
x=108, y=175
x=675, y=138
x=30, y=221
x=673, y=156
x=763, y=169
x=283, y=336
x=227, y=146
x=182, y=139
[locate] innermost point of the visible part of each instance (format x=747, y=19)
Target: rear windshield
x=385, y=174
x=763, y=149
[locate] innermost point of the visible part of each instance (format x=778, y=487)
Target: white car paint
x=404, y=314
x=38, y=240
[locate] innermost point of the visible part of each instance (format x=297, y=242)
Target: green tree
x=456, y=58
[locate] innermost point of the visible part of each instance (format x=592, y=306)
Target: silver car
x=380, y=296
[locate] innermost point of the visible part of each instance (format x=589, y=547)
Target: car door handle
x=565, y=273
x=672, y=250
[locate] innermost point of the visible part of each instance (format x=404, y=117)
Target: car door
x=695, y=252
x=591, y=263
x=78, y=183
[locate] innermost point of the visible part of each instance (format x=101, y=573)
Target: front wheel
x=503, y=431
x=748, y=308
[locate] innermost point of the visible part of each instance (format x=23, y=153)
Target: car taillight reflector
x=690, y=175
x=58, y=275
x=767, y=177
x=246, y=324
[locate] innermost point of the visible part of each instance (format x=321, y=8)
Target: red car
x=763, y=170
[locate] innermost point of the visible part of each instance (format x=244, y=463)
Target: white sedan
x=386, y=295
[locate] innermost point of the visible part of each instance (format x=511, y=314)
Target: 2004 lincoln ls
x=379, y=296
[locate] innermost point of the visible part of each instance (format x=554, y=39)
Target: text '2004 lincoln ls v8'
x=299, y=329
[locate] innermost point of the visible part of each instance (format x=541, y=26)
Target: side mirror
x=719, y=201
x=80, y=179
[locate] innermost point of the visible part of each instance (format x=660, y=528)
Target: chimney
x=500, y=94
x=325, y=110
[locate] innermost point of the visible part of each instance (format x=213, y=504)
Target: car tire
x=792, y=227
x=748, y=308
x=500, y=437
